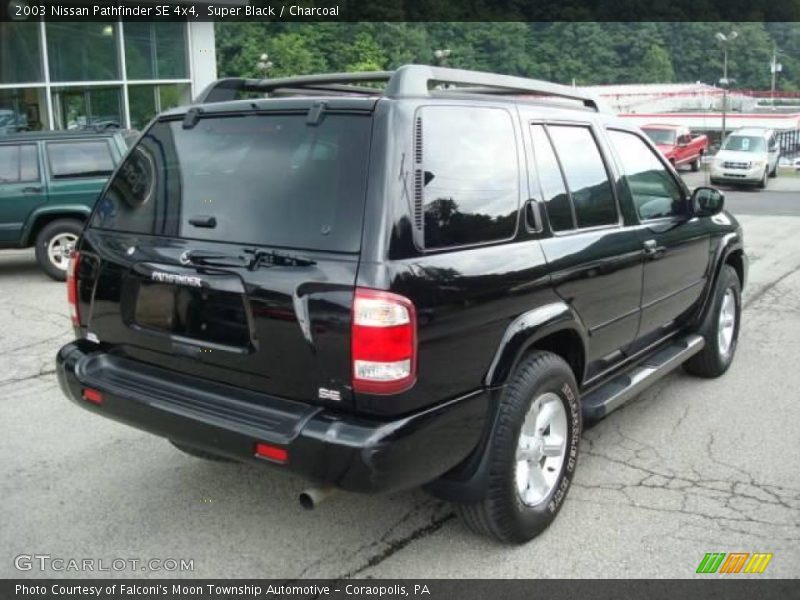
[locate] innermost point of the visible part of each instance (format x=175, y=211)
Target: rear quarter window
x=471, y=189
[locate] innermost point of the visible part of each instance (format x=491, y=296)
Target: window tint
x=80, y=159
x=555, y=194
x=655, y=193
x=471, y=194
x=586, y=175
x=266, y=180
x=18, y=163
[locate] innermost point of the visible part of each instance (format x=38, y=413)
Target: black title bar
x=397, y=11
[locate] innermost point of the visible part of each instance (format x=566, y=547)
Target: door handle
x=651, y=249
x=32, y=190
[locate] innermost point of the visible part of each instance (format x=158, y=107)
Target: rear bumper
x=323, y=446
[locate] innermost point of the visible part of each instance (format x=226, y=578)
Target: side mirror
x=707, y=201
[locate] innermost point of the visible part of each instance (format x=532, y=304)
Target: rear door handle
x=32, y=190
x=203, y=221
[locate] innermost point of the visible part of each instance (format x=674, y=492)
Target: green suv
x=49, y=181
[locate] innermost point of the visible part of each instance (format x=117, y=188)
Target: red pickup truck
x=678, y=145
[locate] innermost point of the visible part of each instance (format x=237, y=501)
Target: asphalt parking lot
x=690, y=466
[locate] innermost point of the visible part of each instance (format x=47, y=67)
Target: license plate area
x=214, y=313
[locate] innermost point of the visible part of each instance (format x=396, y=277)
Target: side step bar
x=610, y=396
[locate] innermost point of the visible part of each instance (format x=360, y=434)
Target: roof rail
x=406, y=81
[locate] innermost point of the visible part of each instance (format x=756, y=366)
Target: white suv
x=748, y=155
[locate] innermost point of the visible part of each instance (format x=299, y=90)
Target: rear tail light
x=384, y=342
x=72, y=287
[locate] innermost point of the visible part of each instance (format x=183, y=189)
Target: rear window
x=265, y=179
x=79, y=159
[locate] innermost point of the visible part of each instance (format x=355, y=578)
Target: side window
x=556, y=199
x=586, y=175
x=655, y=193
x=18, y=163
x=471, y=179
x=79, y=159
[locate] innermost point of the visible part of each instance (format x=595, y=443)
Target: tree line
x=588, y=53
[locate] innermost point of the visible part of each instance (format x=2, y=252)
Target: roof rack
x=406, y=81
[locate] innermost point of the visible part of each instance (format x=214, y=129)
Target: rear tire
x=774, y=173
x=532, y=452
x=197, y=453
x=54, y=243
x=696, y=163
x=720, y=328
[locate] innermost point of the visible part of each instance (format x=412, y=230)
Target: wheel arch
x=42, y=218
x=554, y=327
x=730, y=251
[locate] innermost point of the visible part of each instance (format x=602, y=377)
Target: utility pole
x=724, y=82
x=774, y=68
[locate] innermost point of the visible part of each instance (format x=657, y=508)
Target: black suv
x=427, y=283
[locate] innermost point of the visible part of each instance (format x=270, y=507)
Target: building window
x=146, y=101
x=23, y=109
x=156, y=50
x=82, y=51
x=78, y=108
x=20, y=53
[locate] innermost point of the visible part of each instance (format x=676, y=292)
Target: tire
x=717, y=355
x=197, y=453
x=53, y=244
x=545, y=380
x=696, y=163
x=763, y=183
x=774, y=173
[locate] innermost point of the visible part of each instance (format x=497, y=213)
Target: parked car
x=749, y=155
x=378, y=290
x=49, y=181
x=678, y=145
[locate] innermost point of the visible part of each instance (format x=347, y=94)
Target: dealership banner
x=394, y=10
x=252, y=589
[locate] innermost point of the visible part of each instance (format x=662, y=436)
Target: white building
x=66, y=75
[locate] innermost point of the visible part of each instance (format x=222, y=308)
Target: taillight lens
x=384, y=340
x=72, y=287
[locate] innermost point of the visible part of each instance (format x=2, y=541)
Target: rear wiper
x=273, y=258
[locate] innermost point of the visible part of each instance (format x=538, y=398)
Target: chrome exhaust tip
x=311, y=498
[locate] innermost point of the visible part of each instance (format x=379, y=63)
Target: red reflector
x=72, y=287
x=272, y=452
x=92, y=396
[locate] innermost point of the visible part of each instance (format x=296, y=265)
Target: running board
x=610, y=396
